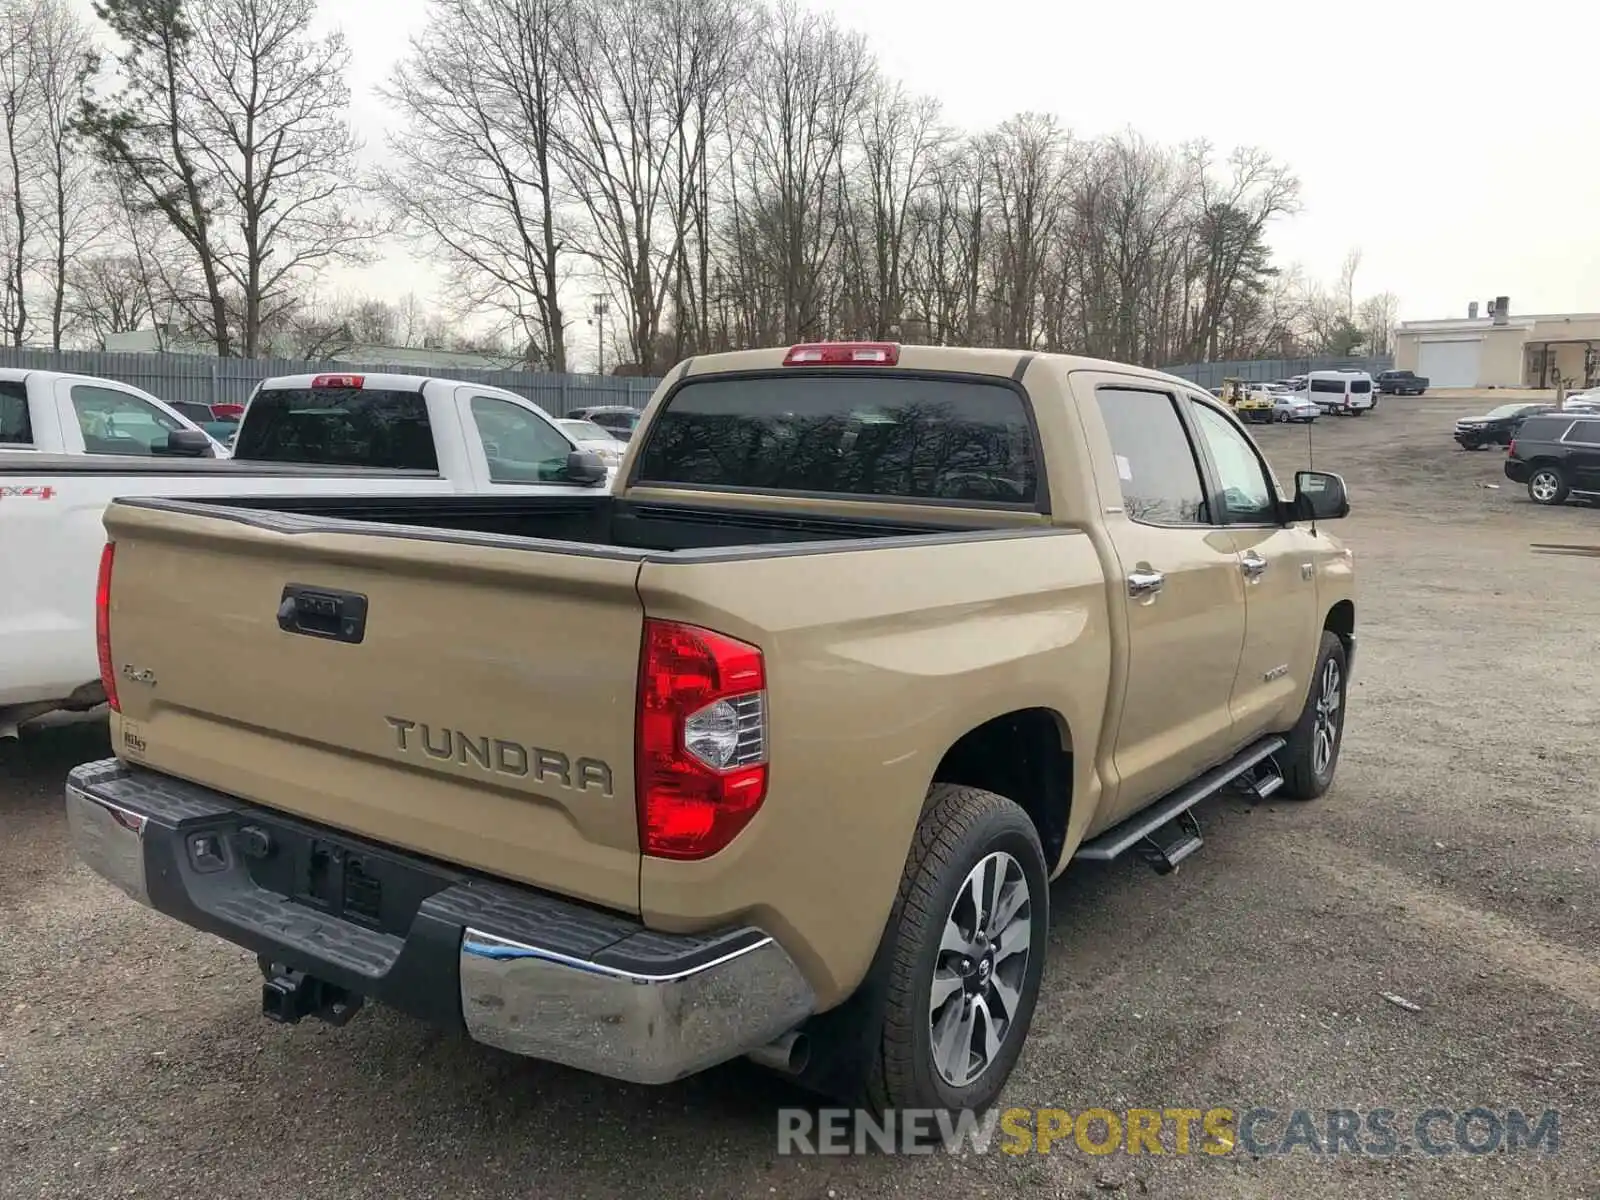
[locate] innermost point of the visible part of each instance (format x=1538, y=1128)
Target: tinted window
x=1585, y=431
x=1360, y=386
x=16, y=428
x=1247, y=497
x=344, y=427
x=855, y=434
x=1155, y=462
x=1328, y=385
x=117, y=422
x=1543, y=428
x=521, y=446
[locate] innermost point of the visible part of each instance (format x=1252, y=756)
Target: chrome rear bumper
x=517, y=969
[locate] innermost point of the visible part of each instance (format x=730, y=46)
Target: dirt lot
x=1453, y=864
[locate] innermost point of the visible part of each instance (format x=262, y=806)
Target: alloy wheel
x=1325, y=727
x=979, y=972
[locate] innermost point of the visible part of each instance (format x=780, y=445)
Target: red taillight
x=701, y=763
x=227, y=412
x=102, y=625
x=837, y=354
x=335, y=381
x=1511, y=446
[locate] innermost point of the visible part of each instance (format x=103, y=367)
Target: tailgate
x=485, y=717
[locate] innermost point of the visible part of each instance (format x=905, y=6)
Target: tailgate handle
x=323, y=612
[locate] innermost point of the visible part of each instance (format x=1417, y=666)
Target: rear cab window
x=16, y=426
x=851, y=433
x=338, y=427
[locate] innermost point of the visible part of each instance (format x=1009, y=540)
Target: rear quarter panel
x=878, y=661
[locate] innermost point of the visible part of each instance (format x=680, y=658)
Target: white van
x=1349, y=393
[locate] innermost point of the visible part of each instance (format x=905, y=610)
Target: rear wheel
x=1547, y=485
x=1312, y=755
x=965, y=953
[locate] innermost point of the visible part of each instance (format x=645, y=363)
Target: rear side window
x=1155, y=461
x=346, y=427
x=847, y=434
x=1547, y=429
x=1328, y=385
x=1587, y=432
x=16, y=428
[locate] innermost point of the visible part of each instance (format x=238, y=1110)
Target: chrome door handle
x=1252, y=564
x=1143, y=582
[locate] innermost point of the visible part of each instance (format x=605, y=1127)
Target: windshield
x=586, y=431
x=854, y=434
x=1507, y=410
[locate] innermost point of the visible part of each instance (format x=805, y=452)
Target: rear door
x=1583, y=449
x=482, y=710
x=1278, y=564
x=1181, y=587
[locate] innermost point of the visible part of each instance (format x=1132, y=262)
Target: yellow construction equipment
x=1251, y=403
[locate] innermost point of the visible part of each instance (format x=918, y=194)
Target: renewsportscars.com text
x=1217, y=1130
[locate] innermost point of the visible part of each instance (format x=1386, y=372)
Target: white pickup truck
x=51, y=412
x=323, y=435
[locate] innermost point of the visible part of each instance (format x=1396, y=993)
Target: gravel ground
x=1453, y=864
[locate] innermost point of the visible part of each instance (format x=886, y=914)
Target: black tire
x=1548, y=482
x=960, y=828
x=1303, y=778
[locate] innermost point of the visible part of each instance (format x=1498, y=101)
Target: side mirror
x=189, y=443
x=1319, y=496
x=584, y=466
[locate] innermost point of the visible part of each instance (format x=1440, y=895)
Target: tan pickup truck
x=770, y=751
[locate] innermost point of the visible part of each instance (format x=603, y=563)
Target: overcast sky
x=1457, y=146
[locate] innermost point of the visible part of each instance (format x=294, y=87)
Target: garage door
x=1449, y=364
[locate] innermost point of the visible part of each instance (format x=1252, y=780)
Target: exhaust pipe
x=788, y=1055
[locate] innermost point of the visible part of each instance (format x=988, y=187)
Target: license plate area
x=339, y=876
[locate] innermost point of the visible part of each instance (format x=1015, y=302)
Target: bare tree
x=64, y=58
x=1347, y=281
x=271, y=125
x=21, y=124
x=230, y=121
x=809, y=81
x=902, y=140
x=144, y=133
x=474, y=180
x=1376, y=317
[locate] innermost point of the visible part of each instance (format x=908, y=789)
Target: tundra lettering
x=503, y=757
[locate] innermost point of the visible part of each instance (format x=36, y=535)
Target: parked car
x=616, y=419
x=1556, y=454
x=1289, y=407
x=592, y=437
x=223, y=428
x=1497, y=426
x=1402, y=383
x=768, y=753
x=353, y=436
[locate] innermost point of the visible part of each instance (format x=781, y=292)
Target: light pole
x=602, y=306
